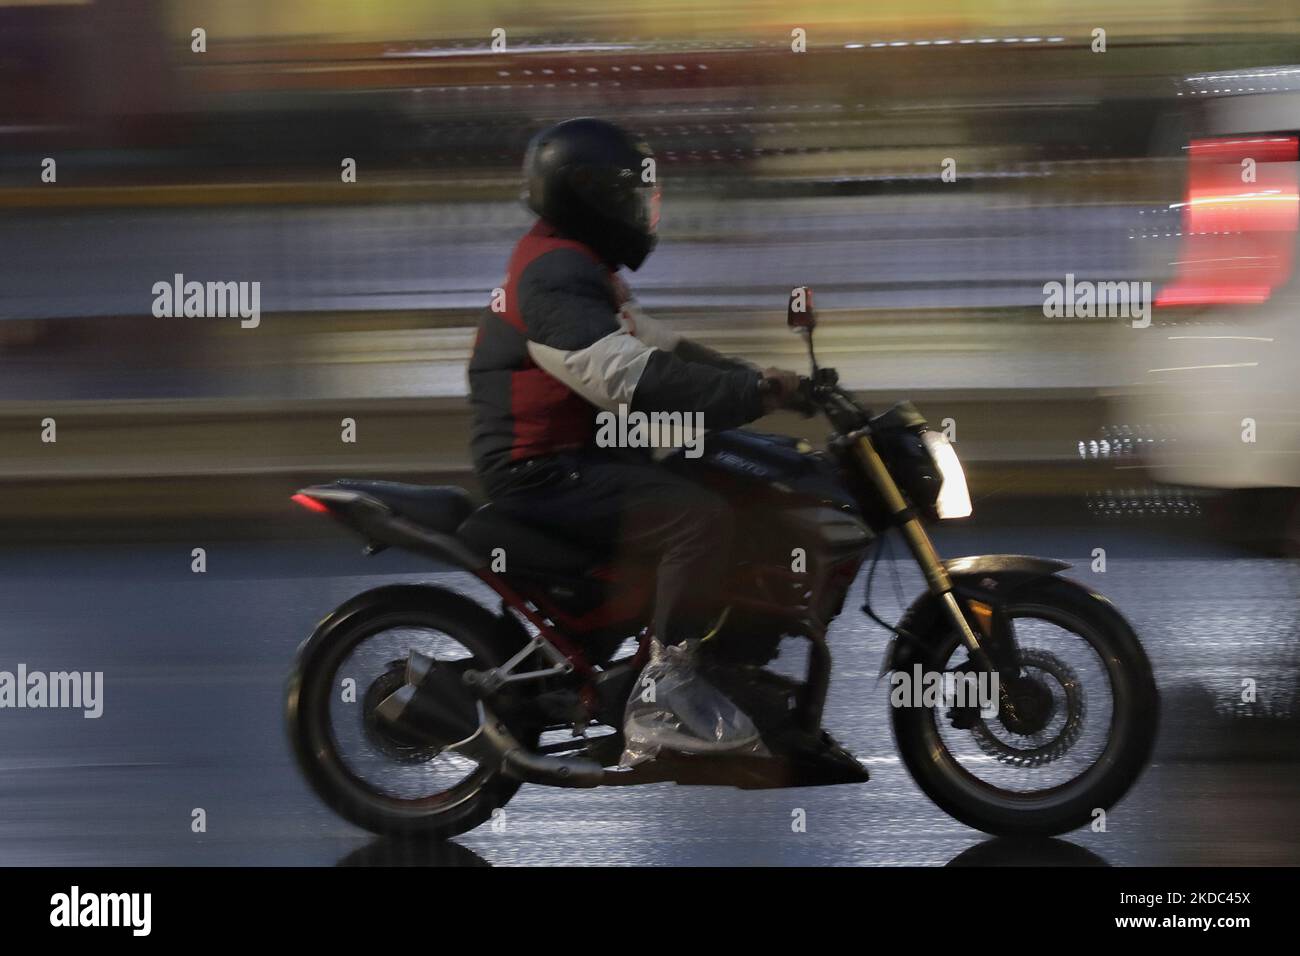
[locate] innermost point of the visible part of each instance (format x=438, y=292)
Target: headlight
x=954, y=496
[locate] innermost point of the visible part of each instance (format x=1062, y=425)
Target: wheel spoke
x=1061, y=674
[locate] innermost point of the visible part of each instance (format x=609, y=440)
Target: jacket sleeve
x=576, y=335
x=690, y=351
x=660, y=335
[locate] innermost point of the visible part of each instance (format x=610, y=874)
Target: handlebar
x=822, y=393
x=804, y=400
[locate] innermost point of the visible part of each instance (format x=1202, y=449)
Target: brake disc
x=1043, y=749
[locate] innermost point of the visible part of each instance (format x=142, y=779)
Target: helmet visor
x=647, y=214
x=621, y=196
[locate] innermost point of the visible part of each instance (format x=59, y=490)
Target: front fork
x=918, y=542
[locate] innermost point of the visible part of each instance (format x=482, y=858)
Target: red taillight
x=310, y=503
x=1238, y=231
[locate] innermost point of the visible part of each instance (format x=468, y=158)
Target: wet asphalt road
x=194, y=668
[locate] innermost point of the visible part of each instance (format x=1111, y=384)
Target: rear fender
x=988, y=578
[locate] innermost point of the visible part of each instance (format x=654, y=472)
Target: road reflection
x=398, y=851
x=1025, y=851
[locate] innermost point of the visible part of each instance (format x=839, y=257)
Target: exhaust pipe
x=435, y=706
x=493, y=745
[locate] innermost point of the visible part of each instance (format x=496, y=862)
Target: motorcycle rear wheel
x=314, y=684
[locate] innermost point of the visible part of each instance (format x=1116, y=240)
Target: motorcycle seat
x=525, y=546
x=439, y=507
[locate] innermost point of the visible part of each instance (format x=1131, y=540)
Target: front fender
x=990, y=578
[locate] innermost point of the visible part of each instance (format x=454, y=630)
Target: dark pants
x=641, y=513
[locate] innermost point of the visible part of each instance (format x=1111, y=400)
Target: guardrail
x=160, y=467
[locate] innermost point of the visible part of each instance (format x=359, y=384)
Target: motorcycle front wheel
x=1088, y=684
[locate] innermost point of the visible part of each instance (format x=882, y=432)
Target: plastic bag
x=674, y=708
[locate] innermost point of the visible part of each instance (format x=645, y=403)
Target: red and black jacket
x=570, y=341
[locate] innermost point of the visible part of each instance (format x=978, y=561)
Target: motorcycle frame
x=549, y=621
x=379, y=524
x=542, y=617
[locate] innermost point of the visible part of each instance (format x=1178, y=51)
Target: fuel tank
x=775, y=469
x=799, y=531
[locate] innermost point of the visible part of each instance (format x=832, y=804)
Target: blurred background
x=1109, y=156
x=208, y=139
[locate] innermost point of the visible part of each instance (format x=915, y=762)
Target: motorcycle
x=414, y=709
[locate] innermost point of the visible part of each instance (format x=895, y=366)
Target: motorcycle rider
x=565, y=339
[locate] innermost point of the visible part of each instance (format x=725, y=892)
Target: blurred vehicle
x=1220, y=366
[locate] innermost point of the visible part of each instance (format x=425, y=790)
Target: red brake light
x=310, y=503
x=1238, y=237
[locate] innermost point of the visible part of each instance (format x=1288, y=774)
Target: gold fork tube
x=936, y=575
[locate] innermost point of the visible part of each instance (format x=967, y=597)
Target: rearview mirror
x=799, y=314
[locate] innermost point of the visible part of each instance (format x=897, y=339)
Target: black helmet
x=591, y=180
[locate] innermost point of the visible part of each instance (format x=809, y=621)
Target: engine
x=800, y=539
